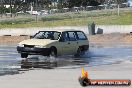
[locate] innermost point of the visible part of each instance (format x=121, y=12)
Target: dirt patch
x=114, y=38
x=111, y=39
x=12, y=39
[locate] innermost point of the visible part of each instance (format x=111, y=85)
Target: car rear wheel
x=23, y=55
x=80, y=52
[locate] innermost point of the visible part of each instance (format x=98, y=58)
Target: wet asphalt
x=97, y=55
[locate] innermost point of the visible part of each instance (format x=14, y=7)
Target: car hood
x=42, y=42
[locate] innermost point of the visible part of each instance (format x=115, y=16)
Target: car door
x=82, y=39
x=73, y=43
x=64, y=44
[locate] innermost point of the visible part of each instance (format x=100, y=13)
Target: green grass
x=73, y=19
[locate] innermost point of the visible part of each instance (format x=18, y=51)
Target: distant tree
x=94, y=2
x=1, y=8
x=84, y=3
x=46, y=3
x=72, y=3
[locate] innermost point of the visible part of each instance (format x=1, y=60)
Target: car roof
x=62, y=30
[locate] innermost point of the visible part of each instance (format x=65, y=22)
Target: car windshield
x=53, y=35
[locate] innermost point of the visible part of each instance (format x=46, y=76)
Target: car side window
x=56, y=35
x=64, y=37
x=72, y=36
x=81, y=36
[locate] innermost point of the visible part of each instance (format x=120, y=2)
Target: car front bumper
x=34, y=51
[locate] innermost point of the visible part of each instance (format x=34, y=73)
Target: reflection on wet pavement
x=8, y=62
x=97, y=55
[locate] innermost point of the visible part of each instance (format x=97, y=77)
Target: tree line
x=23, y=5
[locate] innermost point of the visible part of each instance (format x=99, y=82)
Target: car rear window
x=72, y=36
x=81, y=36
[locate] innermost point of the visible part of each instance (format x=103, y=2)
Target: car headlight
x=40, y=46
x=20, y=45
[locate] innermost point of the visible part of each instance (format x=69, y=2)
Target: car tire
x=80, y=52
x=53, y=52
x=23, y=55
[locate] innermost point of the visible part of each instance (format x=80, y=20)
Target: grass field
x=72, y=19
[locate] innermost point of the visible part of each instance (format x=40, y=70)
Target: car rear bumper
x=34, y=51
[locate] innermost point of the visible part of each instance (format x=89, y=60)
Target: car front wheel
x=53, y=52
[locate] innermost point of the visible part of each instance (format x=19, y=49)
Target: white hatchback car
x=54, y=43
